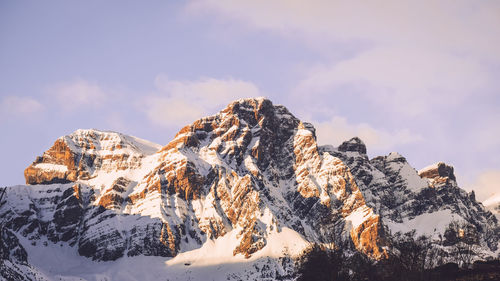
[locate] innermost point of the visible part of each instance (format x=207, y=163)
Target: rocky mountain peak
x=251, y=158
x=250, y=110
x=247, y=126
x=101, y=142
x=354, y=145
x=438, y=174
x=84, y=153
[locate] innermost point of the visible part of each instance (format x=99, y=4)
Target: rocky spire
x=354, y=145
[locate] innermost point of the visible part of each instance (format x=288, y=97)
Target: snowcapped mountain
x=236, y=195
x=86, y=154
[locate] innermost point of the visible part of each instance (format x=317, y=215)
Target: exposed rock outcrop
x=438, y=174
x=355, y=145
x=86, y=153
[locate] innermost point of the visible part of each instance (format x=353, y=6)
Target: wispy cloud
x=19, y=106
x=338, y=129
x=486, y=185
x=78, y=94
x=180, y=102
x=412, y=56
x=458, y=26
x=409, y=81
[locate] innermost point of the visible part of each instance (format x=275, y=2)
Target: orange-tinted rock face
x=183, y=179
x=170, y=240
x=179, y=177
x=439, y=174
x=327, y=178
x=367, y=238
x=111, y=201
x=61, y=166
x=113, y=196
x=250, y=240
x=82, y=155
x=60, y=154
x=242, y=210
x=77, y=192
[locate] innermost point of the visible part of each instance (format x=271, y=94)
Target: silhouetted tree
x=410, y=256
x=322, y=264
x=464, y=240
x=362, y=268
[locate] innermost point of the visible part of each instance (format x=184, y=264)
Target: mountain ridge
x=250, y=175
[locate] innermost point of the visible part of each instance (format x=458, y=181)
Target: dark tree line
x=410, y=257
x=320, y=263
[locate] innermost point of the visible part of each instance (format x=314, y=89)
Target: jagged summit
x=354, y=145
x=250, y=112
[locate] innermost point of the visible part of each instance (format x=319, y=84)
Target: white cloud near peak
x=208, y=91
x=180, y=102
x=79, y=93
x=486, y=185
x=338, y=129
x=411, y=57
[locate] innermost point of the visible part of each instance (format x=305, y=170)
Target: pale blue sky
x=418, y=77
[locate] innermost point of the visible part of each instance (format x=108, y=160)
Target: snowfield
x=213, y=261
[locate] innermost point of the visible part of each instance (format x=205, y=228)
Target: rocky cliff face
x=439, y=175
x=85, y=154
x=248, y=174
x=426, y=200
x=252, y=168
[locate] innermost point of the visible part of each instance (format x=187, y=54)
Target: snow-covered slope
x=87, y=154
x=236, y=195
x=426, y=201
